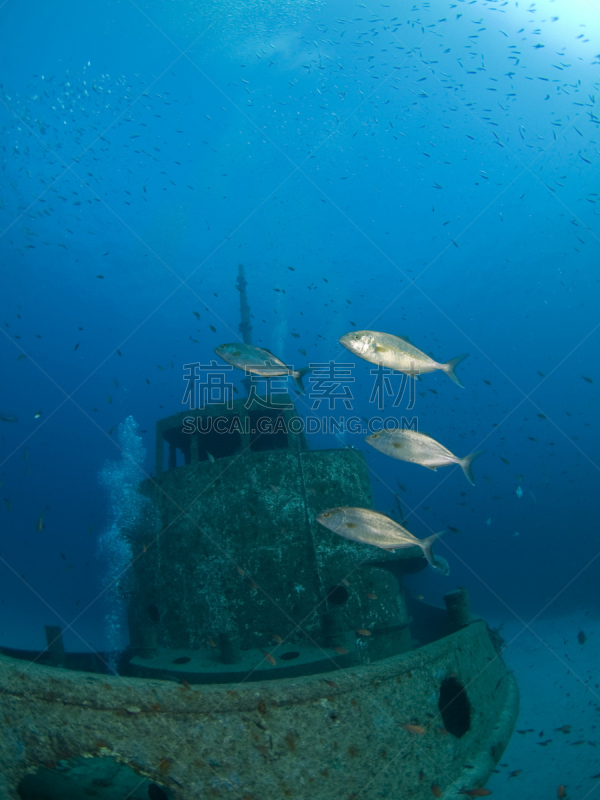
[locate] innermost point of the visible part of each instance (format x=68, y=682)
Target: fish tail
x=451, y=365
x=466, y=465
x=426, y=545
x=297, y=376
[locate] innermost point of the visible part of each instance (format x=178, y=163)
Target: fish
x=6, y=417
x=440, y=565
x=370, y=527
x=418, y=448
x=269, y=658
x=414, y=729
x=519, y=491
x=479, y=792
x=258, y=361
x=396, y=353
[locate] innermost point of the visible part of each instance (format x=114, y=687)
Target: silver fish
x=6, y=417
x=259, y=362
x=397, y=353
x=418, y=448
x=370, y=527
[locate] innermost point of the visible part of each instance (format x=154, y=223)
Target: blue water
x=428, y=170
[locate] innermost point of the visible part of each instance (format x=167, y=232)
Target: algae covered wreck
x=267, y=658
x=249, y=673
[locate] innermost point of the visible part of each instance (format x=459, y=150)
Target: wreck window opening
x=338, y=595
x=268, y=430
x=87, y=777
x=455, y=707
x=176, y=445
x=217, y=437
x=220, y=444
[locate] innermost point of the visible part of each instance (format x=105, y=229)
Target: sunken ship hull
x=268, y=657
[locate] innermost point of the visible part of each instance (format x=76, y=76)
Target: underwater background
x=429, y=170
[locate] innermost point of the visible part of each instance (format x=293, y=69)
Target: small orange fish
x=269, y=658
x=435, y=790
x=371, y=596
x=211, y=643
x=184, y=684
x=564, y=729
x=345, y=582
x=144, y=547
x=240, y=571
x=514, y=773
x=278, y=639
x=561, y=792
x=480, y=792
x=415, y=729
x=363, y=632
x=333, y=684
x=252, y=584
x=341, y=650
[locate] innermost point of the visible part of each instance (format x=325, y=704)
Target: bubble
x=126, y=508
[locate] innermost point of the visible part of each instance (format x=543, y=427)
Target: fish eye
x=326, y=514
x=357, y=337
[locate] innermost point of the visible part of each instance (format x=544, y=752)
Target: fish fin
x=297, y=376
x=466, y=465
x=426, y=545
x=405, y=338
x=433, y=469
x=451, y=365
